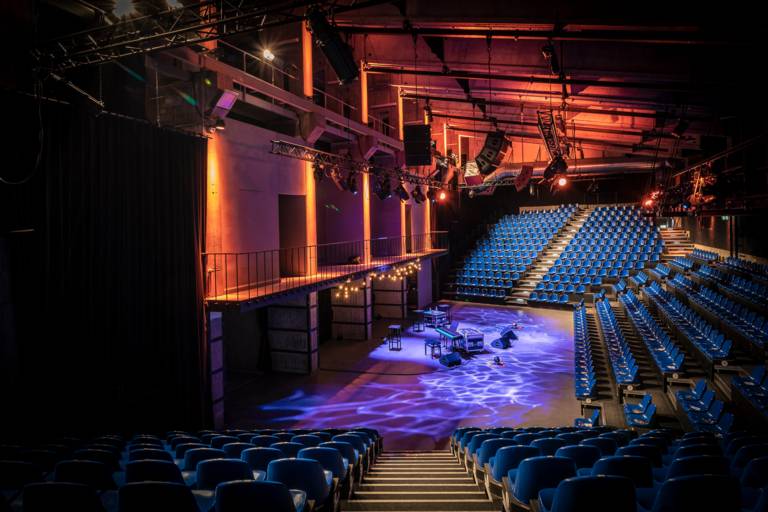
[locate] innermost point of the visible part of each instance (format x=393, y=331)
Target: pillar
x=215, y=341
x=390, y=298
x=292, y=334
x=424, y=284
x=352, y=315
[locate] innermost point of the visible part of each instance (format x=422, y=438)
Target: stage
x=413, y=400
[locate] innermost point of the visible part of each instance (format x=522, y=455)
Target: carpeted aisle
x=418, y=481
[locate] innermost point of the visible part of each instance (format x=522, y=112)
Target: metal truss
x=334, y=161
x=187, y=25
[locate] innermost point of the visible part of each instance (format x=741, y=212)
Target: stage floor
x=413, y=400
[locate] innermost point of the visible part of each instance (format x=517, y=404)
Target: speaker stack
x=493, y=152
x=450, y=359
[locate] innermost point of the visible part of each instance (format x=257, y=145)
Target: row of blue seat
x=751, y=291
x=704, y=412
x=707, y=340
x=584, y=376
x=639, y=279
x=705, y=256
x=488, y=282
x=754, y=388
x=660, y=272
x=570, y=287
x=751, y=325
x=489, y=274
x=642, y=414
x=750, y=267
x=474, y=291
x=666, y=354
x=682, y=264
x=552, y=298
x=623, y=364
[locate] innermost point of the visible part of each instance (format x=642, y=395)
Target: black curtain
x=105, y=247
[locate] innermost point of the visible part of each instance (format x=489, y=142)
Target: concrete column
x=424, y=284
x=292, y=334
x=216, y=366
x=352, y=316
x=390, y=298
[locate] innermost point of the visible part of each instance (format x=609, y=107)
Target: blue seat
x=48, y=496
x=149, y=454
x=583, y=456
x=98, y=475
x=509, y=458
x=477, y=441
x=489, y=448
x=153, y=470
x=330, y=458
x=537, y=473
x=183, y=448
x=220, y=441
x=526, y=438
x=259, y=458
x=233, y=450
x=247, y=496
x=197, y=455
x=697, y=493
x=304, y=474
x=592, y=493
x=745, y=454
x=144, y=496
x=347, y=450
x=264, y=440
x=288, y=448
x=548, y=445
x=571, y=437
x=307, y=440
x=638, y=469
x=652, y=453
x=358, y=443
x=211, y=473
x=693, y=450
x=698, y=465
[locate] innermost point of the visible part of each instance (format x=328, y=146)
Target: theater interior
x=383, y=255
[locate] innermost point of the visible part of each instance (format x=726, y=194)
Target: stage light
x=442, y=195
x=382, y=187
x=418, y=195
x=268, y=55
x=555, y=166
x=401, y=192
x=648, y=203
x=562, y=181
x=318, y=171
x=548, y=51
x=432, y=194
x=352, y=182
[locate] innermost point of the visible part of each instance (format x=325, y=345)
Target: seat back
x=211, y=473
x=95, y=474
x=152, y=470
x=183, y=448
x=353, y=440
x=197, y=455
x=144, y=496
x=16, y=474
x=347, y=450
x=474, y=444
x=247, y=496
x=652, y=453
x=220, y=441
x=303, y=474
x=263, y=440
x=509, y=457
x=537, y=473
x=637, y=469
x=329, y=458
x=259, y=458
x=747, y=453
x=288, y=448
x=699, y=492
x=755, y=473
x=307, y=440
x=596, y=494
x=693, y=450
x=548, y=445
x=47, y=496
x=233, y=450
x=489, y=448
x=150, y=454
x=582, y=455
x=605, y=445
x=698, y=465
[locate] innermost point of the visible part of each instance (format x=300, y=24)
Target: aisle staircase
x=676, y=243
x=548, y=256
x=418, y=481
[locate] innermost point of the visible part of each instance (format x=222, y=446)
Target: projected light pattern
x=416, y=403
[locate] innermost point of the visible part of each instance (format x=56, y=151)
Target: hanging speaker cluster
x=337, y=52
x=493, y=152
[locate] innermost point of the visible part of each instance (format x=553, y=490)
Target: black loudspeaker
x=508, y=333
x=417, y=142
x=493, y=152
x=450, y=359
x=501, y=343
x=338, y=53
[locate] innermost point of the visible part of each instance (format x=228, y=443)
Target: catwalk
x=413, y=400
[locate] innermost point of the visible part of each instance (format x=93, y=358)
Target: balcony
x=250, y=278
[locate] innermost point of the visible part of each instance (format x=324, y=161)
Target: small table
x=434, y=346
x=395, y=332
x=473, y=339
x=435, y=318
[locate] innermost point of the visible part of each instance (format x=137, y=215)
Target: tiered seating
x=705, y=413
x=585, y=381
x=612, y=242
x=711, y=274
x=709, y=342
x=682, y=264
x=639, y=279
x=683, y=284
x=747, y=290
x=508, y=251
x=602, y=468
x=279, y=471
x=754, y=389
x=705, y=256
x=665, y=353
x=623, y=363
x=642, y=414
x=752, y=326
x=749, y=267
x=660, y=272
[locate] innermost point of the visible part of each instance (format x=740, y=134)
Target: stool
x=433, y=345
x=394, y=343
x=395, y=331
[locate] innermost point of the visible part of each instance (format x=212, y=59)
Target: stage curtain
x=108, y=284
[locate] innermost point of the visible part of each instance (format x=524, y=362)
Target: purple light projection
x=416, y=403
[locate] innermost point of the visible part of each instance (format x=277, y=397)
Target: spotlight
x=556, y=166
x=401, y=192
x=418, y=195
x=268, y=55
x=319, y=171
x=442, y=195
x=562, y=181
x=432, y=194
x=648, y=203
x=548, y=51
x=352, y=182
x=382, y=187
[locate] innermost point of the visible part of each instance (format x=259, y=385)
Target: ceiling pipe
x=606, y=36
x=678, y=87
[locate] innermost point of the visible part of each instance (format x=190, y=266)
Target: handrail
x=253, y=275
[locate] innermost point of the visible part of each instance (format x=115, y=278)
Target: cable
x=40, y=139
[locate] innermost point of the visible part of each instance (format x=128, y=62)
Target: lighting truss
x=331, y=160
x=185, y=25
x=548, y=131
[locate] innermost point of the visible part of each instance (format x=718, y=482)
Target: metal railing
x=246, y=276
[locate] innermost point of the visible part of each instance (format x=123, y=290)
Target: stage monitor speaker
x=417, y=140
x=501, y=343
x=493, y=152
x=508, y=333
x=451, y=359
x=337, y=52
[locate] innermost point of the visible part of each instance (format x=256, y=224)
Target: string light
x=398, y=272
x=348, y=287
